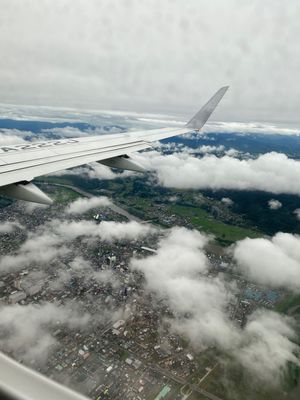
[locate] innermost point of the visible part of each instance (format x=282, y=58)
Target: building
x=17, y=296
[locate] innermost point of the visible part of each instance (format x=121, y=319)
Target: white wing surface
x=18, y=382
x=20, y=164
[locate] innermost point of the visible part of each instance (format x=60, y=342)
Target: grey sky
x=153, y=55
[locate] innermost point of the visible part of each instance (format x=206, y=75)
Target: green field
x=144, y=205
x=196, y=216
x=201, y=220
x=289, y=302
x=64, y=195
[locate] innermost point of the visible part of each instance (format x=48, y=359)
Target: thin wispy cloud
x=270, y=172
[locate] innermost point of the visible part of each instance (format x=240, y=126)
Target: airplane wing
x=20, y=164
x=18, y=382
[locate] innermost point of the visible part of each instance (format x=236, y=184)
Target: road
x=177, y=379
x=112, y=206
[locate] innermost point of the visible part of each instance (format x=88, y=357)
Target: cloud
x=204, y=149
x=51, y=240
x=297, y=212
x=95, y=171
x=82, y=269
x=178, y=274
x=16, y=136
x=180, y=147
x=69, y=132
x=274, y=204
x=271, y=172
x=83, y=205
x=105, y=230
x=227, y=201
x=29, y=208
x=233, y=153
x=25, y=330
x=274, y=262
x=11, y=137
x=9, y=227
x=35, y=250
x=248, y=128
x=267, y=345
x=170, y=255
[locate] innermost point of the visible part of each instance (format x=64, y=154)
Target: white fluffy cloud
x=83, y=205
x=36, y=250
x=297, y=212
x=274, y=262
x=227, y=201
x=10, y=226
x=177, y=273
x=95, y=171
x=16, y=136
x=84, y=270
x=171, y=256
x=50, y=241
x=27, y=327
x=248, y=128
x=272, y=172
x=268, y=343
x=105, y=230
x=11, y=136
x=274, y=204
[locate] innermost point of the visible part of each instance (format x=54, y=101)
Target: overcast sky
x=153, y=55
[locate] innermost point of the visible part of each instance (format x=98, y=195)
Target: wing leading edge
x=20, y=164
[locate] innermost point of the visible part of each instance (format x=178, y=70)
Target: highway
x=112, y=206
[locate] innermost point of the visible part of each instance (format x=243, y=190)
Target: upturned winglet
x=202, y=115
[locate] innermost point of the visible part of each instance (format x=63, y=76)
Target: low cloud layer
x=178, y=274
x=272, y=172
x=83, y=205
x=11, y=136
x=50, y=241
x=274, y=262
x=227, y=201
x=10, y=226
x=106, y=230
x=95, y=171
x=82, y=269
x=249, y=128
x=26, y=329
x=267, y=344
x=274, y=204
x=297, y=213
